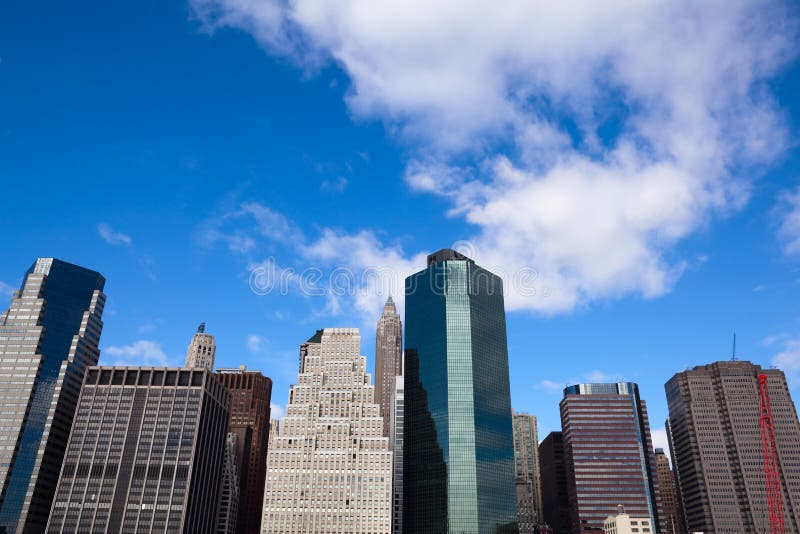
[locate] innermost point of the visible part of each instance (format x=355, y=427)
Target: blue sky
x=633, y=173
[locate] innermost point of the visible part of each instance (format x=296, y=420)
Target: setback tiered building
x=329, y=469
x=201, y=351
x=388, y=359
x=526, y=471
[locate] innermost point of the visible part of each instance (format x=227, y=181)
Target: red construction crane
x=772, y=475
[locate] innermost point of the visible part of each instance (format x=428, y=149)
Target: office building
x=201, y=351
x=608, y=454
x=329, y=468
x=555, y=499
x=715, y=440
x=228, y=507
x=48, y=337
x=623, y=523
x=396, y=443
x=145, y=454
x=458, y=446
x=669, y=497
x=251, y=393
x=388, y=359
x=526, y=471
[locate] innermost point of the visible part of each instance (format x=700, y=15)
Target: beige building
x=329, y=468
x=526, y=471
x=625, y=524
x=388, y=359
x=201, y=350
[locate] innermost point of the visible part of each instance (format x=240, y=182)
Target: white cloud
x=143, y=352
x=255, y=343
x=502, y=109
x=551, y=386
x=6, y=290
x=334, y=186
x=788, y=360
x=593, y=377
x=113, y=237
x=660, y=440
x=276, y=411
x=789, y=230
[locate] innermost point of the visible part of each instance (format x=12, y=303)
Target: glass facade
x=459, y=455
x=48, y=336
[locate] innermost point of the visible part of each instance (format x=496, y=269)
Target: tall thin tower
x=388, y=359
x=202, y=349
x=48, y=337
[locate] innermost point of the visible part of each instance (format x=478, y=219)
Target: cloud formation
x=583, y=140
x=789, y=230
x=113, y=237
x=140, y=353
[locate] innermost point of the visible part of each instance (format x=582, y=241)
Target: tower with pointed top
x=388, y=359
x=201, y=350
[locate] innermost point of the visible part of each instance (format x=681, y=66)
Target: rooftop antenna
x=733, y=354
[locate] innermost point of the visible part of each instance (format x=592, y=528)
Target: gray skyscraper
x=201, y=351
x=526, y=471
x=228, y=506
x=396, y=436
x=458, y=446
x=388, y=359
x=608, y=454
x=48, y=337
x=145, y=454
x=715, y=438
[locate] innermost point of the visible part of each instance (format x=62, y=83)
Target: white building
x=624, y=524
x=329, y=468
x=201, y=350
x=396, y=430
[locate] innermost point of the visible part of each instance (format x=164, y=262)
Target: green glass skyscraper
x=459, y=450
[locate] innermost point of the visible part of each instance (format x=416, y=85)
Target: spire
x=389, y=307
x=201, y=328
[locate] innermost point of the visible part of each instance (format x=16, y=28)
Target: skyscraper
x=715, y=439
x=48, y=337
x=145, y=454
x=329, y=469
x=526, y=471
x=228, y=504
x=201, y=351
x=555, y=500
x=251, y=393
x=458, y=446
x=388, y=359
x=396, y=435
x=609, y=454
x=669, y=498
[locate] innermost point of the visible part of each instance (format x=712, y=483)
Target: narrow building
x=526, y=471
x=555, y=500
x=388, y=359
x=669, y=497
x=201, y=351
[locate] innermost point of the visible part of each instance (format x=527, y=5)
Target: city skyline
x=178, y=160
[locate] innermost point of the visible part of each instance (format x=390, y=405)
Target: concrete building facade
x=669, y=496
x=201, y=351
x=329, y=469
x=526, y=471
x=388, y=359
x=715, y=440
x=396, y=435
x=553, y=472
x=145, y=453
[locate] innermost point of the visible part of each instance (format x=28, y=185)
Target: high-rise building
x=396, y=435
x=251, y=393
x=715, y=440
x=608, y=454
x=669, y=498
x=228, y=507
x=458, y=446
x=555, y=499
x=145, y=453
x=526, y=471
x=48, y=336
x=201, y=351
x=388, y=359
x=329, y=469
